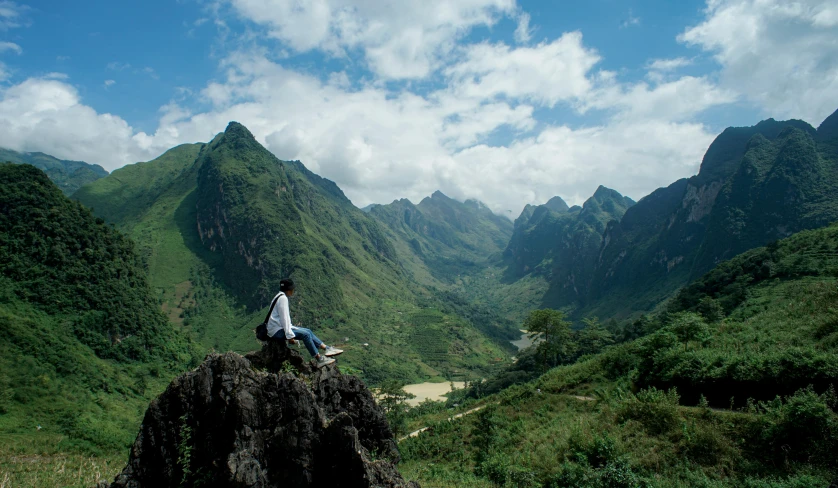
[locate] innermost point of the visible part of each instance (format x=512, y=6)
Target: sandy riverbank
x=434, y=391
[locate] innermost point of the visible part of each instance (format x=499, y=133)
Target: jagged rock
x=266, y=420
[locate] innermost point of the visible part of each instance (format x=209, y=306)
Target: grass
x=44, y=460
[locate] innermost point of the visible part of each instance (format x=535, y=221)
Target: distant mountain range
x=755, y=185
x=256, y=219
x=69, y=176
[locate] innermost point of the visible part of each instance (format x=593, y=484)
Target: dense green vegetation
x=732, y=383
x=84, y=346
x=756, y=184
x=219, y=224
x=69, y=176
x=443, y=237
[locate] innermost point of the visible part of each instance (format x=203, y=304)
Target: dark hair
x=286, y=285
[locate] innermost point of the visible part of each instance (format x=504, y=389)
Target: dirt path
x=415, y=433
x=463, y=414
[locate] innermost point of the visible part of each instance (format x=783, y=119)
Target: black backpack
x=262, y=329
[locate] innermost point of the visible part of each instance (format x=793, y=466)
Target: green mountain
x=732, y=384
x=755, y=185
x=83, y=345
x=443, y=237
x=219, y=224
x=68, y=175
x=562, y=244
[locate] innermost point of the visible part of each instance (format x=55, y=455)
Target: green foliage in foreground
x=83, y=345
x=742, y=394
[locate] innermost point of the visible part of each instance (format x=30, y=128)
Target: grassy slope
x=780, y=334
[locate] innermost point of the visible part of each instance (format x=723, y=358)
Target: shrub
x=656, y=409
x=705, y=443
x=803, y=427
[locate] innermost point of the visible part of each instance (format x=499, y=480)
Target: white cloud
x=118, y=66
x=381, y=141
x=150, y=72
x=547, y=73
x=10, y=46
x=109, y=83
x=47, y=115
x=781, y=55
x=668, y=64
x=680, y=99
x=379, y=145
x=11, y=14
x=630, y=21
x=523, y=33
x=400, y=40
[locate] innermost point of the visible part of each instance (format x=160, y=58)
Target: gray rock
x=255, y=421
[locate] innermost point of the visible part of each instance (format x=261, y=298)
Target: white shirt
x=280, y=317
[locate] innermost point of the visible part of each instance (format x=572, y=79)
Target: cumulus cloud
x=547, y=73
x=400, y=40
x=381, y=140
x=781, y=55
x=47, y=115
x=109, y=83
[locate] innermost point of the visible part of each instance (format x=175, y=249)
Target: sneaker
x=323, y=361
x=333, y=351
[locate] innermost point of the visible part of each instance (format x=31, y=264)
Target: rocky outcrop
x=266, y=420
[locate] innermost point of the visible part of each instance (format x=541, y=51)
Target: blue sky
x=507, y=101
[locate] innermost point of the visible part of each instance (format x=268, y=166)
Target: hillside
x=755, y=185
x=69, y=176
x=219, y=224
x=742, y=393
x=442, y=236
x=83, y=345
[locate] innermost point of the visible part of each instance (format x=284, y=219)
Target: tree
x=689, y=326
x=594, y=337
x=393, y=399
x=711, y=310
x=557, y=344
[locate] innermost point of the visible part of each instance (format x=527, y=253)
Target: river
x=525, y=341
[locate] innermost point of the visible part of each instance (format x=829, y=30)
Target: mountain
x=447, y=237
x=562, y=244
x=219, y=224
x=733, y=384
x=755, y=185
x=82, y=339
x=68, y=175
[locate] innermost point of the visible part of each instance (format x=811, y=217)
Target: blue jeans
x=311, y=341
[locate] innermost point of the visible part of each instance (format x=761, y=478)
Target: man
x=279, y=327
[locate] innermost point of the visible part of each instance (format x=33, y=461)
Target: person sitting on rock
x=280, y=328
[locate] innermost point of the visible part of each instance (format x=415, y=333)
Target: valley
x=697, y=323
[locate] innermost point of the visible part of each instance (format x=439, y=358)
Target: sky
x=510, y=102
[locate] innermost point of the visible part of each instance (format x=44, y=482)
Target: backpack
x=262, y=329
